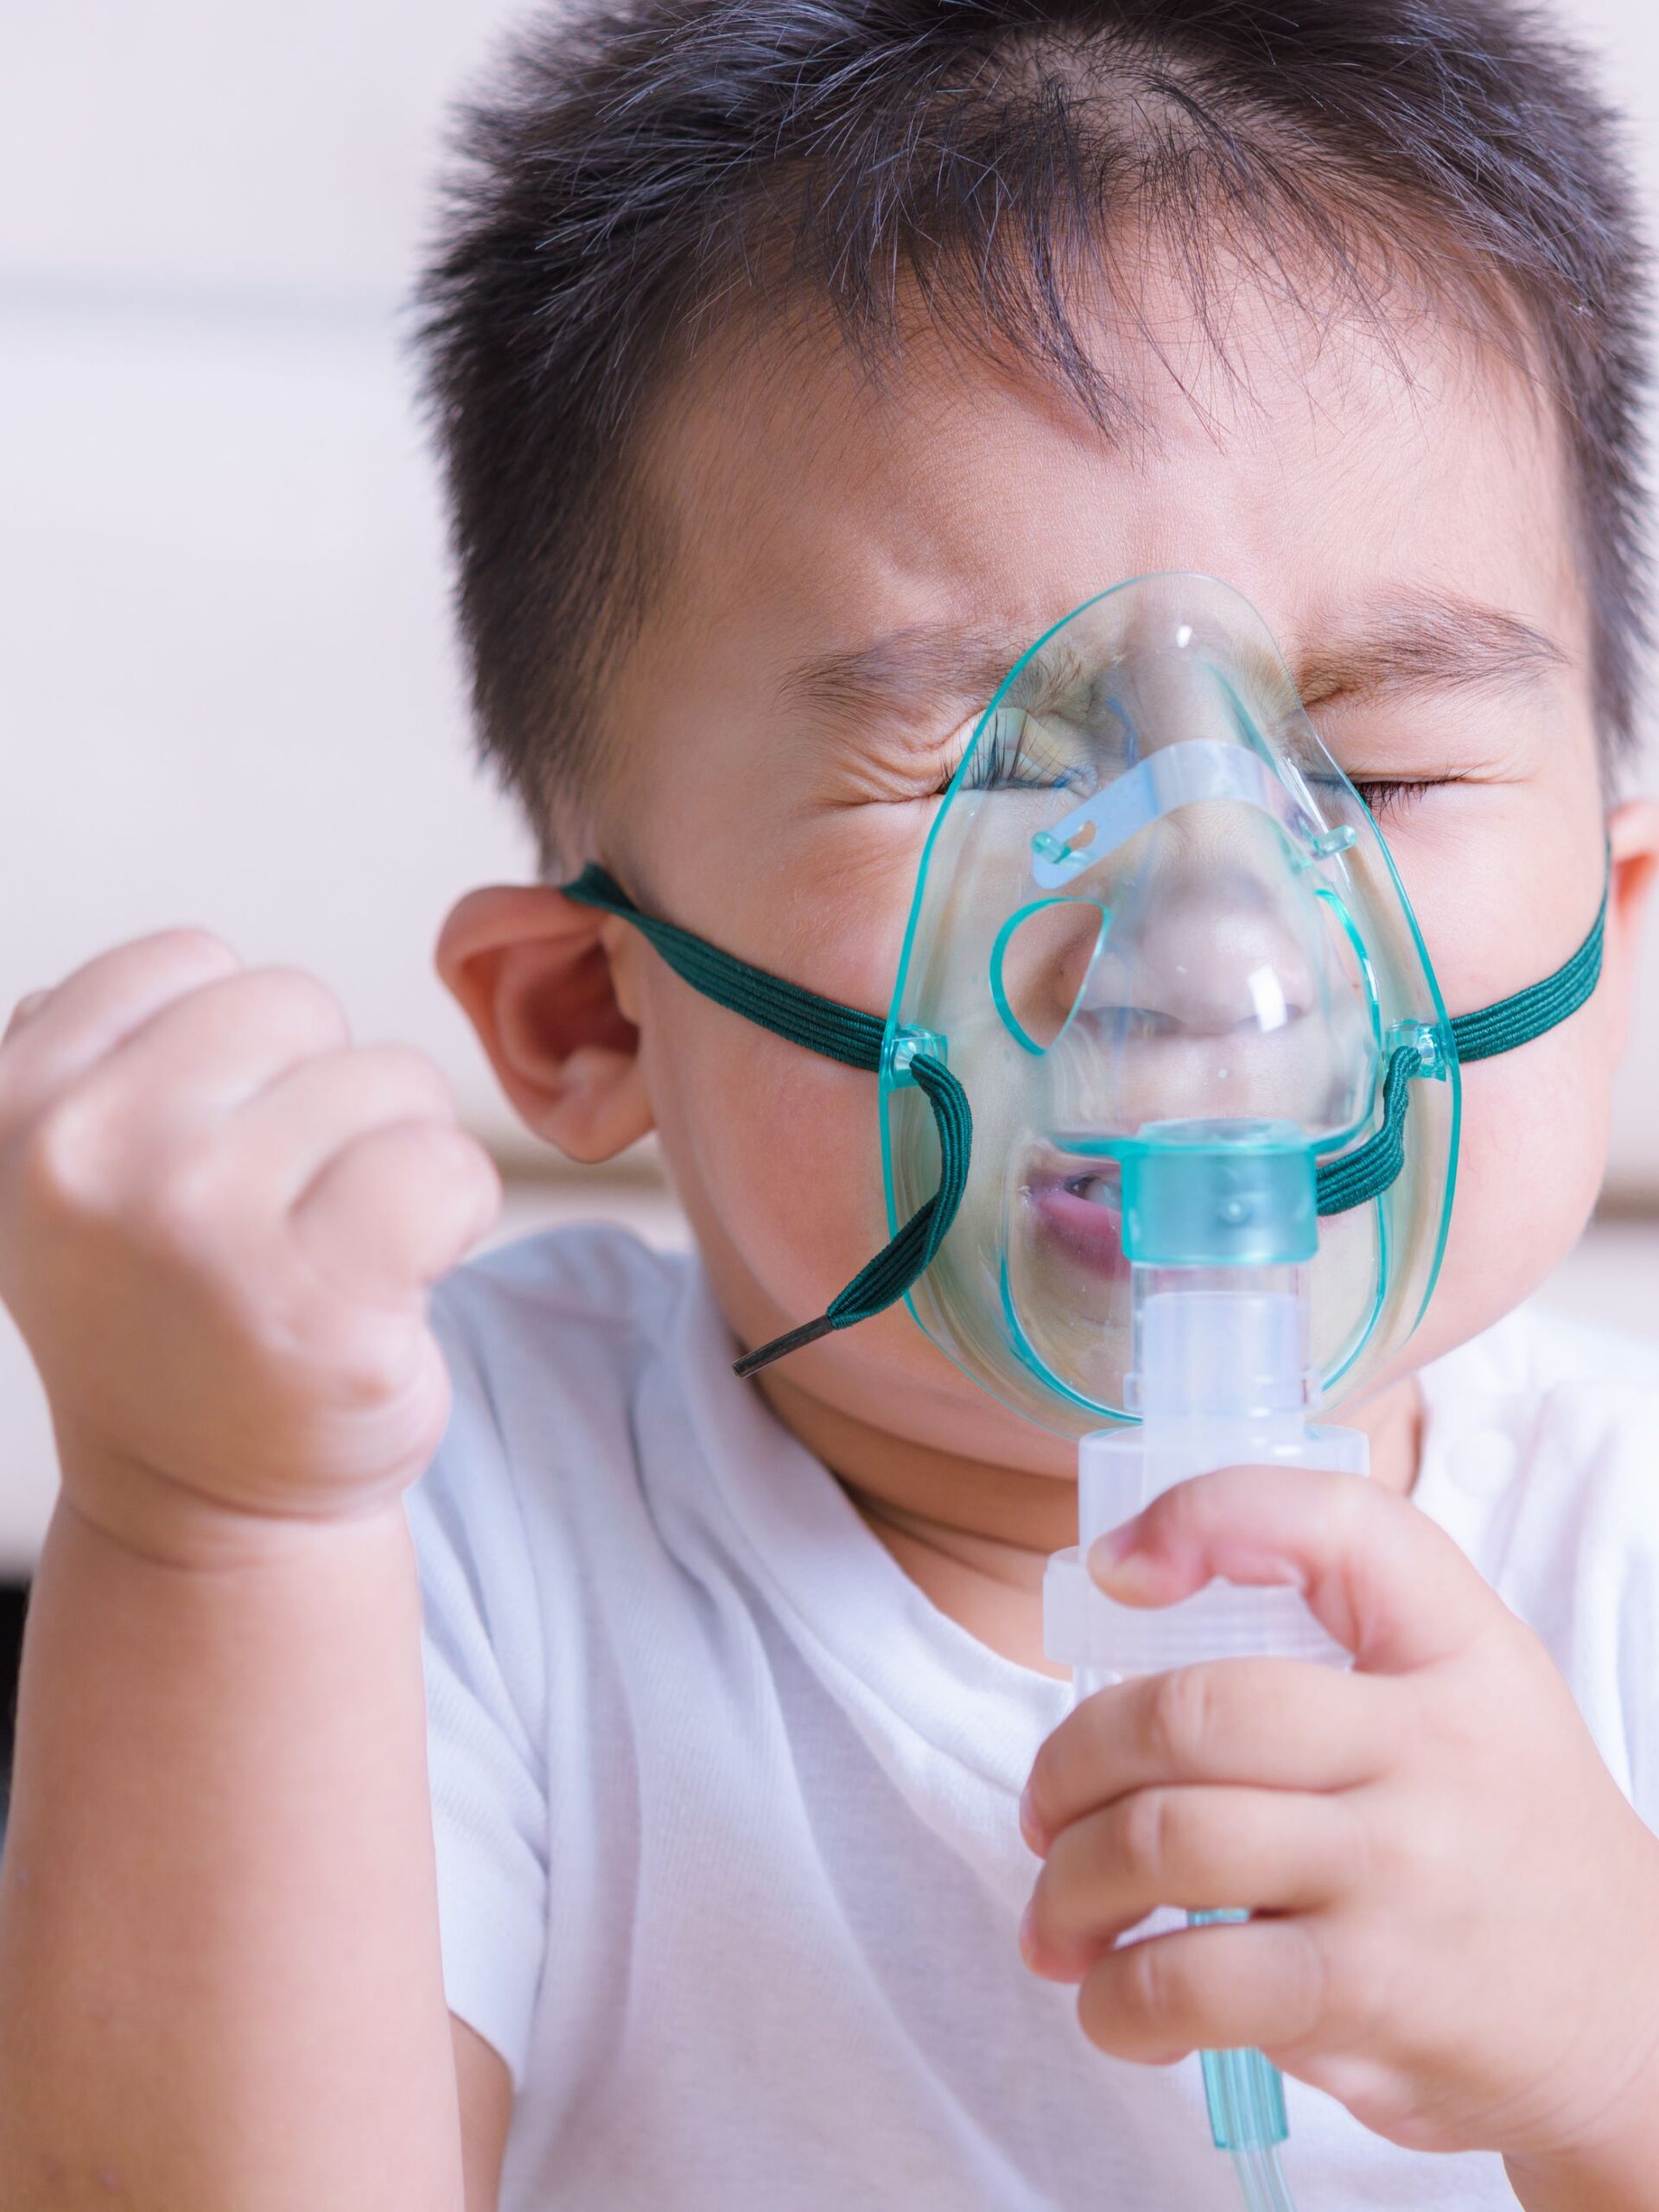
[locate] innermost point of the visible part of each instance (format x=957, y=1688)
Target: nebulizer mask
x=1168, y=1105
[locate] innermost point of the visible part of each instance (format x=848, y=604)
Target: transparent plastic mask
x=1151, y=901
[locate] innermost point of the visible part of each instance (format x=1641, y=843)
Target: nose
x=1208, y=934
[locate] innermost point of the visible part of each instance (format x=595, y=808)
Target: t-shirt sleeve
x=483, y=1658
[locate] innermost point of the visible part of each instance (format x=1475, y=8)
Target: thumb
x=1376, y=1572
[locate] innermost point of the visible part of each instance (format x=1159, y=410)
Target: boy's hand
x=1458, y=1929
x=217, y=1224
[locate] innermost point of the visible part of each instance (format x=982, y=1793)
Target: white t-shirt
x=728, y=1859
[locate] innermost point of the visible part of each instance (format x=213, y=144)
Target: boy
x=796, y=366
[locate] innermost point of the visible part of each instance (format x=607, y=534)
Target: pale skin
x=217, y=1939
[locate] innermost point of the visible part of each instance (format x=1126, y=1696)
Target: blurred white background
x=227, y=691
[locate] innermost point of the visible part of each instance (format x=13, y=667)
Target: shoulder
x=1538, y=1352
x=551, y=1343
x=587, y=1303
x=1583, y=1400
x=1542, y=1459
x=1541, y=1455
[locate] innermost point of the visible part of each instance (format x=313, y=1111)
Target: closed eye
x=1395, y=798
x=1013, y=753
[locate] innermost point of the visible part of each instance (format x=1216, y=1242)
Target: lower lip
x=1088, y=1232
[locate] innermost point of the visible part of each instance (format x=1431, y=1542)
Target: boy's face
x=852, y=570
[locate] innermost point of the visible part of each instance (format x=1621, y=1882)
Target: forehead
x=1324, y=467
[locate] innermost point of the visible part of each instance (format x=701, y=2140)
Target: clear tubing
x=1261, y=2180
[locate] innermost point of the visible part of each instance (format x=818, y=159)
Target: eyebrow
x=1423, y=641
x=1414, y=640
x=919, y=670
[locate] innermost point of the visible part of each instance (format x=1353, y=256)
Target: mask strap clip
x=836, y=1032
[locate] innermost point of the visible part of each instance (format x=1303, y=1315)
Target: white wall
x=227, y=688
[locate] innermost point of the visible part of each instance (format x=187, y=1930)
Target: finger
x=56, y=1035
x=25, y=1010
x=1201, y=1850
x=218, y=1046
x=1278, y=1723
x=285, y=1133
x=1377, y=1573
x=1259, y=1983
x=395, y=1209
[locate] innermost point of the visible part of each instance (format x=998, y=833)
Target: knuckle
x=63, y=1165
x=24, y=1011
x=1047, y=1784
x=1145, y=1833
x=410, y=1072
x=185, y=1209
x=380, y=1366
x=1431, y=1847
x=1305, y=1979
x=1145, y=1991
x=1179, y=1718
x=1099, y=2014
x=446, y=1146
x=192, y=950
x=1354, y=1844
x=1070, y=1870
x=67, y=1162
x=436, y=1157
x=1350, y=1512
x=463, y=1159
x=301, y=1003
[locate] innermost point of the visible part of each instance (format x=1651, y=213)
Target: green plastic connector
x=1199, y=1194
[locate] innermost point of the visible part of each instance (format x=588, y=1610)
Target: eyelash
x=1385, y=798
x=999, y=758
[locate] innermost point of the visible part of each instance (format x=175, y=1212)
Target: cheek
x=1530, y=1161
x=775, y=1152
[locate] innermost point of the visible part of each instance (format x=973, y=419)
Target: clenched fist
x=218, y=1223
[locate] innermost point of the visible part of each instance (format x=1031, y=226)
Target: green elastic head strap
x=856, y=1039
x=839, y=1032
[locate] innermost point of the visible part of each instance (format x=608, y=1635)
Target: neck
x=976, y=1538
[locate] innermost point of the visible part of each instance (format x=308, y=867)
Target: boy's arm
x=218, y=1975
x=485, y=2109
x=219, y=1983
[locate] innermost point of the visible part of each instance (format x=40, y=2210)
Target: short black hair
x=637, y=169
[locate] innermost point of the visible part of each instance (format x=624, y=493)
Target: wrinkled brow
x=1413, y=641
x=919, y=671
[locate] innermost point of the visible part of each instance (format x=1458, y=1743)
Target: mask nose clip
x=1183, y=774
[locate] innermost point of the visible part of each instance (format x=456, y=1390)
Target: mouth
x=1080, y=1216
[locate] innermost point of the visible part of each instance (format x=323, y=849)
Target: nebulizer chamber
x=1219, y=1378
x=1158, y=928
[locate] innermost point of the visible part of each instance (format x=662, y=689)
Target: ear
x=1633, y=836
x=532, y=971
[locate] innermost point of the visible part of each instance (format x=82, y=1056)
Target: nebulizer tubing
x=1219, y=1222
